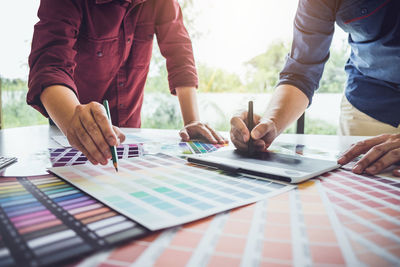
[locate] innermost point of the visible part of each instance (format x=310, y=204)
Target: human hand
x=198, y=129
x=91, y=132
x=380, y=152
x=263, y=133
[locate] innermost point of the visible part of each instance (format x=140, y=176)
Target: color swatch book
x=44, y=221
x=160, y=191
x=71, y=156
x=340, y=219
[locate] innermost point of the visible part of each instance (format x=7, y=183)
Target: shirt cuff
x=40, y=81
x=183, y=80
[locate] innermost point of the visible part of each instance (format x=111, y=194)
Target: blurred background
x=239, y=48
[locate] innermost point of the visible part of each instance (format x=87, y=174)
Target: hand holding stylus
x=263, y=133
x=250, y=126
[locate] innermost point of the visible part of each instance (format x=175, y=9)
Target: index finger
x=101, y=118
x=360, y=148
x=266, y=131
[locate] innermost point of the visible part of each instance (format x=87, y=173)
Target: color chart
x=185, y=148
x=70, y=156
x=194, y=147
x=340, y=219
x=160, y=191
x=44, y=220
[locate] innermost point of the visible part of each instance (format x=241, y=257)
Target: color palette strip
x=194, y=147
x=339, y=219
x=160, y=191
x=70, y=156
x=44, y=220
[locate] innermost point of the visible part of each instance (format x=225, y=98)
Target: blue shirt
x=373, y=68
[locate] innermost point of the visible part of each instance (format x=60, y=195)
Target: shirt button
x=121, y=84
x=129, y=40
x=99, y=54
x=364, y=11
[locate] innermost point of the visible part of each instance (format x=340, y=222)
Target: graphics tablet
x=288, y=168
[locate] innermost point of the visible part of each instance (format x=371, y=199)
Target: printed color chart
x=44, y=220
x=340, y=219
x=160, y=191
x=70, y=156
x=198, y=147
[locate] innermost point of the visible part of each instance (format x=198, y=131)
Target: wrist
x=274, y=122
x=194, y=121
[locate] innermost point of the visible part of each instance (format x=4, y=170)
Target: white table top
x=30, y=145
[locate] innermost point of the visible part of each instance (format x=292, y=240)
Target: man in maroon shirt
x=85, y=51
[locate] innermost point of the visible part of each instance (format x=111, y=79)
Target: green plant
x=16, y=112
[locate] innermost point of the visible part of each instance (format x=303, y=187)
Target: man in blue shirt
x=373, y=84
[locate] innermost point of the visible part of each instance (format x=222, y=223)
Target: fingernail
x=357, y=169
x=256, y=134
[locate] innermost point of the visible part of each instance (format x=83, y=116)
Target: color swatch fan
x=195, y=147
x=44, y=221
x=70, y=156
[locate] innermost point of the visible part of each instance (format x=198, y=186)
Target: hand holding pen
x=262, y=134
x=250, y=126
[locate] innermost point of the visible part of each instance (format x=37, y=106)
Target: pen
x=250, y=126
x=112, y=148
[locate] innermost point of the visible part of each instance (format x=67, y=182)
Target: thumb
x=120, y=135
x=184, y=135
x=265, y=130
x=261, y=129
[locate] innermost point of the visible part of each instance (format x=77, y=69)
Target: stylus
x=250, y=126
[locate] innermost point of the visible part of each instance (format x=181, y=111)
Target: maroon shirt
x=101, y=49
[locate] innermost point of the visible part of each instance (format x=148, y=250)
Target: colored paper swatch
x=160, y=191
x=70, y=156
x=339, y=219
x=44, y=220
x=175, y=148
x=194, y=147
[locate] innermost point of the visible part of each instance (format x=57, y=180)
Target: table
x=337, y=219
x=30, y=145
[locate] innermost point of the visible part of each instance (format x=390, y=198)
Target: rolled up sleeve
x=52, y=57
x=312, y=36
x=175, y=45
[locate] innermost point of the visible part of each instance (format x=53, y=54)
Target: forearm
x=188, y=103
x=60, y=103
x=286, y=105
